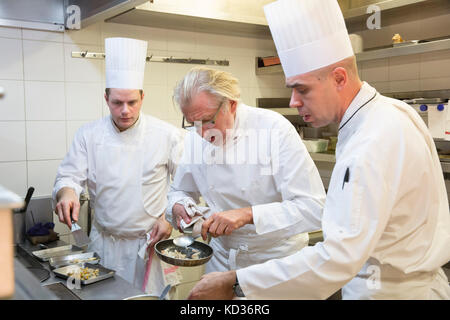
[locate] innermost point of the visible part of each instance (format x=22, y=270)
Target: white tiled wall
x=419, y=72
x=49, y=94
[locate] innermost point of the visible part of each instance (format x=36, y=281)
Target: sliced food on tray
x=86, y=273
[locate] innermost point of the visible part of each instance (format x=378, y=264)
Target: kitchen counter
x=115, y=288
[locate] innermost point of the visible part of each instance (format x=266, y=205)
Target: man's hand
x=67, y=206
x=214, y=286
x=178, y=213
x=161, y=230
x=225, y=222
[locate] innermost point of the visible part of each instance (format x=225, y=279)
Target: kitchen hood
x=53, y=15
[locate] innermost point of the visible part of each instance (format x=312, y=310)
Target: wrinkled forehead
x=200, y=106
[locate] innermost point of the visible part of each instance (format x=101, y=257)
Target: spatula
x=79, y=235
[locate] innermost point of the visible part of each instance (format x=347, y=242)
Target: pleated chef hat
x=308, y=34
x=125, y=60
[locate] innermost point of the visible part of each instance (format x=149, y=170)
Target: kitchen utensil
x=79, y=235
x=20, y=218
x=190, y=234
x=185, y=239
x=69, y=271
x=165, y=292
x=205, y=253
x=143, y=297
x=58, y=262
x=46, y=254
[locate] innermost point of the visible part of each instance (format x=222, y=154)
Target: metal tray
x=46, y=254
x=89, y=257
x=104, y=273
x=205, y=253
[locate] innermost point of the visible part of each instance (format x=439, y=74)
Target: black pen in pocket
x=346, y=177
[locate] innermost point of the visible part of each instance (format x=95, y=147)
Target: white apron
x=243, y=248
x=119, y=197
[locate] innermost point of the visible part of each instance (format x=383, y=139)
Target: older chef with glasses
x=126, y=160
x=386, y=221
x=252, y=170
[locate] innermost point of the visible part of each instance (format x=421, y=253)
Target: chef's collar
x=240, y=127
x=126, y=131
x=364, y=96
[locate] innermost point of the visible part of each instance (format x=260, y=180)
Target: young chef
x=126, y=160
x=386, y=220
x=252, y=170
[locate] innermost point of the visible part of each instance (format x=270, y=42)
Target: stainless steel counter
x=115, y=288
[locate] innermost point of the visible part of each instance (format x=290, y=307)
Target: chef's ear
x=340, y=77
x=107, y=94
x=233, y=106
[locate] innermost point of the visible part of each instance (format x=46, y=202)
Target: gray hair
x=220, y=84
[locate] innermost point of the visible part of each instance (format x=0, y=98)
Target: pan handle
x=28, y=198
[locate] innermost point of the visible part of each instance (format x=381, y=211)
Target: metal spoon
x=186, y=239
x=183, y=241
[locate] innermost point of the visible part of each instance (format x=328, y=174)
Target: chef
x=251, y=169
x=125, y=159
x=386, y=220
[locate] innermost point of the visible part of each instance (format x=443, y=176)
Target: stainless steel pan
x=205, y=250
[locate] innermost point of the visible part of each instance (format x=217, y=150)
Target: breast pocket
x=344, y=199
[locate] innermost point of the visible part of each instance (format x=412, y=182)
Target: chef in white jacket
x=126, y=160
x=386, y=220
x=252, y=170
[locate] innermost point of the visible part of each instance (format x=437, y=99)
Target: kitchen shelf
x=418, y=48
x=260, y=71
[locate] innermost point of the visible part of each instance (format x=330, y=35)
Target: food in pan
x=84, y=273
x=175, y=253
x=75, y=261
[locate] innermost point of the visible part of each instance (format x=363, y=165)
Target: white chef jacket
x=127, y=174
x=386, y=226
x=263, y=165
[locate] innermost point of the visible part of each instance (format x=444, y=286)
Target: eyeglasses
x=212, y=122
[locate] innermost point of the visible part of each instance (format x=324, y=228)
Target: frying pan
x=205, y=253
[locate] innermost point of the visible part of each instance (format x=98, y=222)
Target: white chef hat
x=125, y=60
x=308, y=34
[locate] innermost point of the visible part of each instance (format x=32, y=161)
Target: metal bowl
x=143, y=297
x=205, y=253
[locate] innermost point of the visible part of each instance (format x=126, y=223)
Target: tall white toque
x=125, y=60
x=308, y=34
